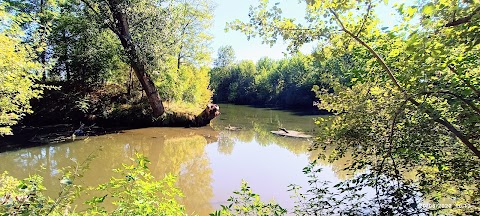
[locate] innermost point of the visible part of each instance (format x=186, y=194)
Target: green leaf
x=428, y=9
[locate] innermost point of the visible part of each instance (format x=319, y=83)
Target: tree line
x=285, y=83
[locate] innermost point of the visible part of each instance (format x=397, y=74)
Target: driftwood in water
x=61, y=133
x=290, y=133
x=232, y=128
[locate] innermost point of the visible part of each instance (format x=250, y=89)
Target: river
x=210, y=162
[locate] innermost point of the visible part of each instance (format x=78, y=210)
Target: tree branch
x=375, y=54
x=365, y=17
x=297, y=29
x=463, y=20
x=431, y=113
x=465, y=101
x=99, y=15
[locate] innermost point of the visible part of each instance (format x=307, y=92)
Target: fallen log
x=291, y=133
x=232, y=128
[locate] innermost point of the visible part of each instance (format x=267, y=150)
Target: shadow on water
x=34, y=136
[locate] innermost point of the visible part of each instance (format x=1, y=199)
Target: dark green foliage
x=86, y=53
x=283, y=83
x=71, y=44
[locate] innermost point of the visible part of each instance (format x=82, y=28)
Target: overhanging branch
x=431, y=113
x=466, y=82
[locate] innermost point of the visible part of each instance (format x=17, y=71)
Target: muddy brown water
x=209, y=162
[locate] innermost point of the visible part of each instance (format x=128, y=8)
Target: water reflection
x=171, y=150
x=210, y=162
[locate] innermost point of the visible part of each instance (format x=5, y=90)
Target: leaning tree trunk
x=123, y=32
x=121, y=29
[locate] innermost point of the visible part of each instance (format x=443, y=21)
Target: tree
x=86, y=53
x=137, y=61
x=18, y=74
x=142, y=28
x=194, y=19
x=283, y=83
x=92, y=47
x=225, y=57
x=35, y=18
x=220, y=74
x=414, y=103
x=89, y=53
x=184, y=78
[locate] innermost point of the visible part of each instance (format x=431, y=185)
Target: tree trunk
x=179, y=60
x=130, y=82
x=43, y=55
x=65, y=54
x=123, y=32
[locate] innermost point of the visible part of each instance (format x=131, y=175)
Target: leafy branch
x=432, y=113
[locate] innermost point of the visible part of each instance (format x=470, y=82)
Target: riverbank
x=34, y=136
x=25, y=136
x=71, y=111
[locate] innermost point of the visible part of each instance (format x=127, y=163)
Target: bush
x=245, y=202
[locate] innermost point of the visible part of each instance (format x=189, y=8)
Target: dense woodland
x=73, y=53
x=403, y=98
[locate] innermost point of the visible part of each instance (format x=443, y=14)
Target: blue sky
x=253, y=49
x=229, y=10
